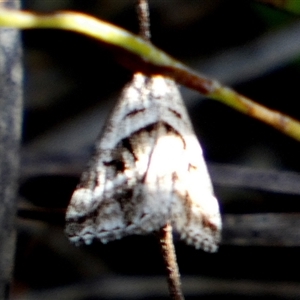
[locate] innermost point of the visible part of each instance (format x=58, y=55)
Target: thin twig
x=169, y=256
x=165, y=233
x=144, y=20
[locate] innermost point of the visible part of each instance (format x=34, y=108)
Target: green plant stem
x=292, y=6
x=151, y=61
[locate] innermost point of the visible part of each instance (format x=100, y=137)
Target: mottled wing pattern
x=147, y=170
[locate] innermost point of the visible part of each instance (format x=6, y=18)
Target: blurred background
x=72, y=82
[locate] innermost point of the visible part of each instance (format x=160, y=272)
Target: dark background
x=72, y=81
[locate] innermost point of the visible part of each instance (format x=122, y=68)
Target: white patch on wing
x=148, y=169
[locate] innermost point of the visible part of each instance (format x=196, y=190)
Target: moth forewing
x=195, y=213
x=147, y=170
x=195, y=210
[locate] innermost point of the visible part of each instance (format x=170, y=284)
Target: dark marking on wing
x=191, y=167
x=126, y=143
x=117, y=164
x=206, y=223
x=170, y=129
x=134, y=112
x=176, y=113
x=124, y=197
x=89, y=179
x=188, y=206
x=82, y=219
x=150, y=128
x=155, y=126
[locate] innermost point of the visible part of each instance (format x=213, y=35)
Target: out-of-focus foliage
x=292, y=6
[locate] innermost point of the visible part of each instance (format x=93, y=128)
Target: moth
x=147, y=170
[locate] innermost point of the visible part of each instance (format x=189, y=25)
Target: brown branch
x=165, y=234
x=169, y=256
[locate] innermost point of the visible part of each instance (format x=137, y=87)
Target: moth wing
x=195, y=209
x=148, y=169
x=116, y=196
x=95, y=210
